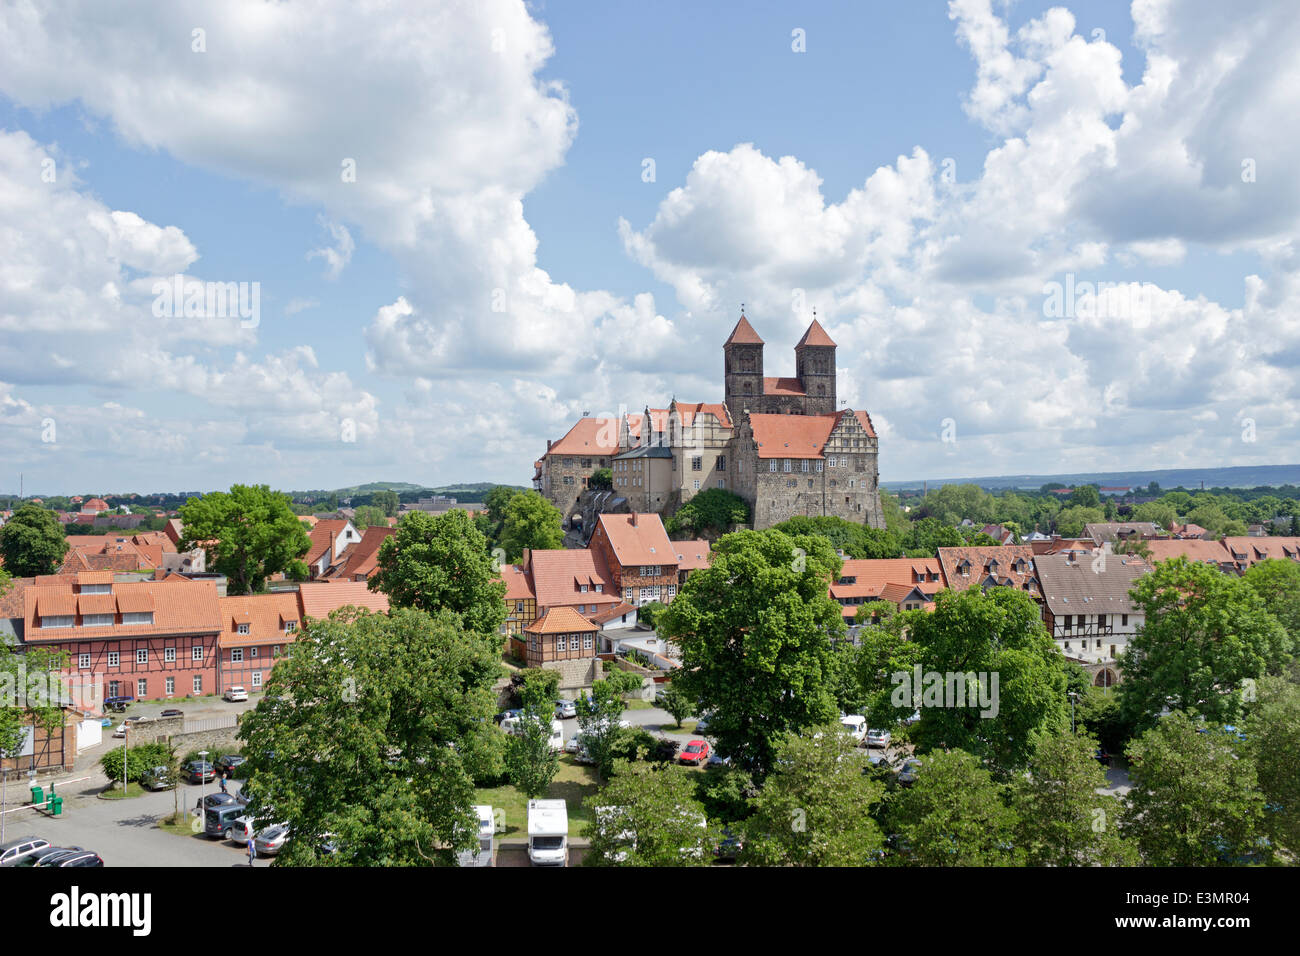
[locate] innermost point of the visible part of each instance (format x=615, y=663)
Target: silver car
x=878, y=738
x=565, y=709
x=271, y=840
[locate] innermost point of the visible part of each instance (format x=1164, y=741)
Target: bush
x=543, y=683
x=138, y=760
x=649, y=612
x=633, y=743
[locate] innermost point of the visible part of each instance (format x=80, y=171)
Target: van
x=855, y=725
x=548, y=833
x=223, y=821
x=482, y=854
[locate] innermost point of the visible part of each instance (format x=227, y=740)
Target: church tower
x=814, y=364
x=742, y=356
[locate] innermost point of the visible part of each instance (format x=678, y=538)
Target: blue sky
x=500, y=153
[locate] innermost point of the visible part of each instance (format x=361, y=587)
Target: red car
x=695, y=753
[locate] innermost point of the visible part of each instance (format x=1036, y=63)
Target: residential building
x=692, y=555
x=907, y=583
x=257, y=630
x=1194, y=549
x=1116, y=531
x=359, y=561
x=521, y=599
x=1247, y=551
x=989, y=566
x=561, y=634
x=317, y=599
x=641, y=561
x=577, y=579
x=331, y=541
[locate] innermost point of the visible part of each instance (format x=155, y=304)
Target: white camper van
x=514, y=726
x=548, y=833
x=483, y=853
x=855, y=725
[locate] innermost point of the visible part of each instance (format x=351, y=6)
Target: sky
x=458, y=226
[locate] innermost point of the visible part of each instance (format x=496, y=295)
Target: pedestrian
x=223, y=782
x=252, y=853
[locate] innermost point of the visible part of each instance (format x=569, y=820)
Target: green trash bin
x=56, y=806
x=38, y=793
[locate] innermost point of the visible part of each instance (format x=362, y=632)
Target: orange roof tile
x=743, y=334
x=318, y=598
x=590, y=436
x=792, y=436
x=1193, y=549
x=692, y=555
x=189, y=610
x=688, y=411
x=558, y=575
x=815, y=336
x=989, y=561
x=1261, y=549
x=561, y=620
x=265, y=614
x=783, y=386
x=636, y=539
x=518, y=587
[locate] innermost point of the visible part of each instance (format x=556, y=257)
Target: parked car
x=235, y=694
x=34, y=858
x=58, y=854
x=878, y=738
x=228, y=762
x=219, y=800
x=80, y=858
x=564, y=709
x=124, y=725
x=15, y=850
x=157, y=778
x=271, y=840
x=240, y=829
x=696, y=753
x=1102, y=757
x=728, y=846
x=702, y=725
x=118, y=704
x=512, y=714
x=855, y=725
x=199, y=771
x=172, y=712
x=911, y=770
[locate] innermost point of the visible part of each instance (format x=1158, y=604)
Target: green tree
x=951, y=504
x=598, y=722
x=30, y=692
x=1070, y=521
x=530, y=762
x=1156, y=512
x=441, y=561
x=367, y=516
x=1193, y=801
x=1278, y=583
x=896, y=520
x=648, y=816
x=32, y=542
x=853, y=538
x=601, y=478
x=374, y=730
x=813, y=807
x=954, y=815
x=1085, y=496
x=971, y=639
x=676, y=703
x=1204, y=633
x=250, y=533
x=714, y=510
x=386, y=501
x=648, y=613
x=926, y=536
x=1062, y=818
x=755, y=631
x=531, y=522
x=1273, y=740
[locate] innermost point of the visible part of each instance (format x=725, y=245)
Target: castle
x=781, y=444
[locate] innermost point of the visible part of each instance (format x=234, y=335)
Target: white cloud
x=339, y=254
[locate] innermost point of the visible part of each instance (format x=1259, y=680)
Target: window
x=171, y=686
x=196, y=652
x=57, y=620
x=586, y=642
x=83, y=661
x=137, y=617
x=721, y=463
x=252, y=652
x=115, y=688
x=198, y=683
x=789, y=465
x=114, y=660
x=96, y=620
x=169, y=654
x=804, y=465
x=141, y=688
x=830, y=462
x=275, y=649
x=242, y=629
x=96, y=589
x=696, y=483
x=291, y=626
x=582, y=588
x=819, y=465
x=600, y=589
x=740, y=465
x=722, y=482
x=237, y=656
x=1069, y=622
x=772, y=465
x=1123, y=620
x=142, y=655
x=257, y=679
x=561, y=643
x=697, y=463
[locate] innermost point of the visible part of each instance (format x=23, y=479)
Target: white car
x=878, y=738
x=855, y=726
x=564, y=709
x=235, y=694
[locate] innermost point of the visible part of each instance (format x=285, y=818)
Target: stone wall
x=575, y=674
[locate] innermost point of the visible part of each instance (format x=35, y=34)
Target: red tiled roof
x=792, y=436
x=743, y=334
x=816, y=336
x=1261, y=549
x=558, y=574
x=607, y=615
x=658, y=421
x=637, y=539
x=191, y=610
x=783, y=386
x=317, y=598
x=1005, y=556
x=364, y=556
x=865, y=421
x=1193, y=549
x=688, y=411
x=518, y=587
x=265, y=615
x=322, y=536
x=590, y=436
x=692, y=555
x=560, y=620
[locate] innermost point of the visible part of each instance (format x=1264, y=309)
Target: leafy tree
x=649, y=613
x=648, y=816
x=386, y=501
x=951, y=504
x=1062, y=818
x=1156, y=512
x=374, y=730
x=678, y=704
x=531, y=522
x=441, y=561
x=853, y=538
x=530, y=762
x=755, y=631
x=598, y=721
x=32, y=542
x=714, y=510
x=1273, y=740
x=1278, y=583
x=1070, y=522
x=601, y=478
x=30, y=692
x=896, y=520
x=537, y=683
x=250, y=533
x=954, y=815
x=812, y=810
x=367, y=516
x=1205, y=633
x=1085, y=496
x=926, y=536
x=1193, y=801
x=997, y=634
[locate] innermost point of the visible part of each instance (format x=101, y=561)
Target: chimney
x=548, y=444
x=634, y=519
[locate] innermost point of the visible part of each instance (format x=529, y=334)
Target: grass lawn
x=114, y=792
x=687, y=727
x=639, y=704
x=186, y=827
x=573, y=784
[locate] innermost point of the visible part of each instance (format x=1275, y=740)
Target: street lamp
x=1072, y=695
x=203, y=783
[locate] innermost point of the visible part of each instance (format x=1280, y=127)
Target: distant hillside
x=1245, y=476
x=471, y=492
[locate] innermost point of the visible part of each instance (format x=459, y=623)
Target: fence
x=224, y=722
